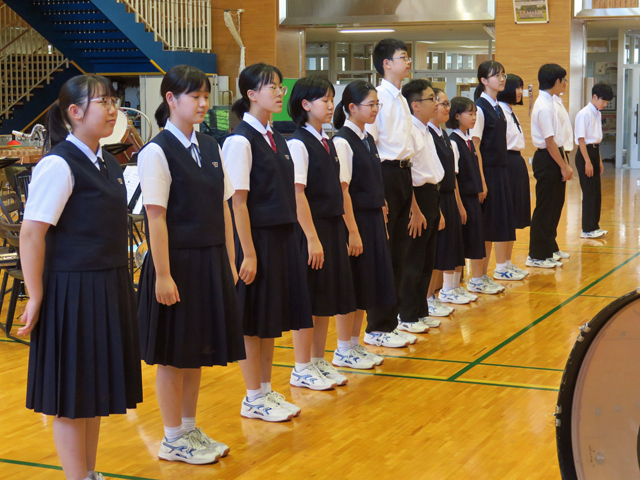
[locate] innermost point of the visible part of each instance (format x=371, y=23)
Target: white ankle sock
x=302, y=366
x=355, y=341
x=315, y=360
x=91, y=474
x=447, y=281
x=188, y=423
x=172, y=433
x=253, y=395
x=344, y=345
x=476, y=280
x=265, y=387
x=456, y=279
x=508, y=262
x=501, y=266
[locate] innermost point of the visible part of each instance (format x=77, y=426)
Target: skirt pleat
x=473, y=230
x=497, y=208
x=84, y=360
x=450, y=248
x=520, y=190
x=330, y=287
x=278, y=298
x=202, y=329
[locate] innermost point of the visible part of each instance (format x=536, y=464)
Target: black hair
x=254, y=77
x=603, y=91
x=508, y=95
x=356, y=92
x=412, y=90
x=178, y=80
x=384, y=50
x=486, y=70
x=437, y=91
x=549, y=74
x=459, y=105
x=78, y=90
x=310, y=89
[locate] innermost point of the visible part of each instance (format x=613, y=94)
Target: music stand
x=116, y=148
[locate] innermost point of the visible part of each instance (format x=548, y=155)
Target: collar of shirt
x=255, y=123
x=180, y=136
x=545, y=95
x=84, y=149
x=355, y=128
x=421, y=126
x=464, y=136
x=390, y=87
x=558, y=100
x=594, y=110
x=489, y=99
x=315, y=133
x=436, y=128
x=506, y=107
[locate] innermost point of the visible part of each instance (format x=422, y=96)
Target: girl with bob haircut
x=84, y=361
x=188, y=309
x=272, y=289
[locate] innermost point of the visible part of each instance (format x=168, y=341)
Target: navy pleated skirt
x=520, y=189
x=372, y=270
x=497, y=208
x=473, y=230
x=201, y=330
x=330, y=287
x=84, y=360
x=278, y=298
x=450, y=249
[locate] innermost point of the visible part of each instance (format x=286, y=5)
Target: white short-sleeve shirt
x=478, y=128
x=438, y=132
x=154, y=173
x=565, y=131
x=236, y=153
x=345, y=153
x=300, y=154
x=544, y=120
x=515, y=135
x=426, y=166
x=589, y=125
x=52, y=184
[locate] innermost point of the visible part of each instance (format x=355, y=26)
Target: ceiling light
x=378, y=30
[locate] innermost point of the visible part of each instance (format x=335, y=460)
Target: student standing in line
x=392, y=133
x=517, y=167
x=588, y=160
x=490, y=138
x=426, y=175
x=550, y=169
x=273, y=287
x=84, y=360
x=321, y=229
x=363, y=194
x=462, y=118
x=188, y=311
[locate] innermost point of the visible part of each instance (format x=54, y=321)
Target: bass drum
x=598, y=411
x=125, y=141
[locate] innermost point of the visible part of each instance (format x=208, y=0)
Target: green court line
x=7, y=340
x=600, y=296
x=522, y=366
x=537, y=321
x=55, y=467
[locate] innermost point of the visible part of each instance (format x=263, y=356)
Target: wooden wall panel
x=290, y=57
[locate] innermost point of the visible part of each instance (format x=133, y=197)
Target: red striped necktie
x=271, y=141
x=325, y=144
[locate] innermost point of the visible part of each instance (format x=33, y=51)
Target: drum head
x=120, y=133
x=598, y=412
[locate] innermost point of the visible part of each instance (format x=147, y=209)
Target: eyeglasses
x=107, y=102
x=445, y=104
x=429, y=99
x=274, y=89
x=404, y=58
x=499, y=76
x=372, y=106
x=565, y=80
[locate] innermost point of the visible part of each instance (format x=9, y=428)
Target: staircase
x=108, y=37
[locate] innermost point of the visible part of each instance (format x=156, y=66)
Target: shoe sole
x=426, y=330
x=435, y=314
x=184, y=460
x=492, y=292
x=455, y=303
x=361, y=367
x=540, y=266
x=316, y=388
x=387, y=346
x=258, y=417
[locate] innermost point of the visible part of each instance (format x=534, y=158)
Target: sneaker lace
x=361, y=351
x=325, y=367
x=193, y=443
x=202, y=437
x=273, y=399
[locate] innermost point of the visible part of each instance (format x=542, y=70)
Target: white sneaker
x=330, y=373
x=97, y=476
x=430, y=322
x=412, y=339
x=465, y=293
x=603, y=232
x=312, y=378
x=594, y=234
x=352, y=358
x=265, y=408
x=412, y=327
x=453, y=296
x=437, y=308
x=383, y=339
x=185, y=449
x=278, y=400
x=488, y=280
x=534, y=262
x=205, y=440
x=507, y=274
x=511, y=266
x=560, y=254
x=480, y=286
x=363, y=352
x=557, y=263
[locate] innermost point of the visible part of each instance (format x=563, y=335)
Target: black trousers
x=398, y=192
x=591, y=189
x=421, y=257
x=550, y=195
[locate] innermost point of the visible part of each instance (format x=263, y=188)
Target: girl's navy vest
x=469, y=178
x=195, y=211
x=91, y=233
x=323, y=190
x=272, y=195
x=447, y=159
x=493, y=146
x=366, y=188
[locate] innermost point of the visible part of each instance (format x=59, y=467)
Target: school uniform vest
x=493, y=146
x=366, y=188
x=469, y=178
x=272, y=195
x=323, y=190
x=447, y=159
x=91, y=233
x=195, y=210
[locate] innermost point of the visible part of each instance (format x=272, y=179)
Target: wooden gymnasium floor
x=472, y=400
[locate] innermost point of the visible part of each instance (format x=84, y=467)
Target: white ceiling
x=407, y=33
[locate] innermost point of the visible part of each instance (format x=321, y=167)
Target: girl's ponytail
x=56, y=128
x=339, y=116
x=241, y=106
x=162, y=113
